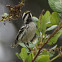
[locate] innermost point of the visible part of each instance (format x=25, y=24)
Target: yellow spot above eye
x=27, y=12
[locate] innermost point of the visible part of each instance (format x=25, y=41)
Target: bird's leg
x=27, y=44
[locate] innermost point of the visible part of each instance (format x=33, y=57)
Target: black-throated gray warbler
x=26, y=32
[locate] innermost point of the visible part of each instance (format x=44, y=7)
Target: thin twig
x=15, y=12
x=57, y=29
x=56, y=57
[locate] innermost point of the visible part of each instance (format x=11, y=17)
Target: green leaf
x=55, y=18
x=39, y=23
x=25, y=46
x=49, y=24
x=47, y=16
x=45, y=19
x=35, y=19
x=29, y=58
x=51, y=28
x=51, y=53
x=42, y=22
x=22, y=44
x=54, y=47
x=37, y=31
x=32, y=54
x=56, y=5
x=18, y=56
x=54, y=39
x=23, y=53
x=45, y=53
x=31, y=45
x=43, y=58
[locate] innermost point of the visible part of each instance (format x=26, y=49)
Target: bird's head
x=27, y=17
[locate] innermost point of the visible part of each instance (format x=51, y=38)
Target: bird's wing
x=20, y=32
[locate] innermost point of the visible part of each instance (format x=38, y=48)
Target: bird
x=28, y=30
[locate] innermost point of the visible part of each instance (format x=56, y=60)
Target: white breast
x=30, y=32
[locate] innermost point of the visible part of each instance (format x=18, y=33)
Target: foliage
x=43, y=58
x=54, y=39
x=35, y=51
x=56, y=5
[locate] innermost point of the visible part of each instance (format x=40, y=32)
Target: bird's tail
x=14, y=44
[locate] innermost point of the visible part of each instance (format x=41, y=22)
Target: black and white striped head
x=27, y=17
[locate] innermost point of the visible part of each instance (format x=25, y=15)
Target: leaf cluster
x=35, y=51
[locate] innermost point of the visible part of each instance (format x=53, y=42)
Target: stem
x=57, y=29
x=56, y=57
x=24, y=60
x=3, y=11
x=40, y=37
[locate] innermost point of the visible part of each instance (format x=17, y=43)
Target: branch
x=57, y=29
x=56, y=57
x=15, y=12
